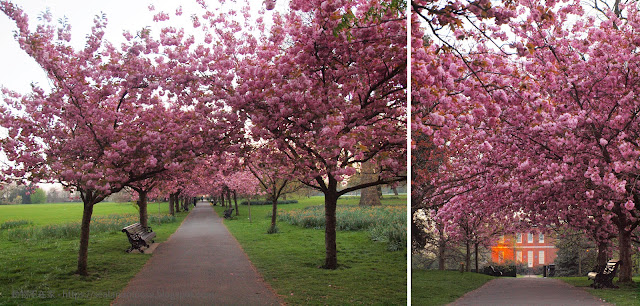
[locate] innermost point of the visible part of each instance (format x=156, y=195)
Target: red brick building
x=531, y=249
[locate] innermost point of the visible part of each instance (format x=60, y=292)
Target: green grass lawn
x=43, y=269
x=434, y=287
x=626, y=295
x=44, y=214
x=289, y=261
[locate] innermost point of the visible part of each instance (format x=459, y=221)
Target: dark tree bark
x=476, y=255
x=467, y=258
x=89, y=199
x=235, y=201
x=441, y=249
x=603, y=257
x=142, y=204
x=330, y=205
x=176, y=201
x=625, y=269
x=171, y=205
x=83, y=252
x=274, y=212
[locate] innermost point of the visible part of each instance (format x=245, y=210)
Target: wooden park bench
x=139, y=236
x=227, y=213
x=603, y=276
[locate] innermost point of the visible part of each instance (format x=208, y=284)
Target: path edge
x=260, y=277
x=112, y=302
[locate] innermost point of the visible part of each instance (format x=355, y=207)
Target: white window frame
x=518, y=256
x=519, y=238
x=530, y=259
x=541, y=238
x=530, y=237
x=541, y=257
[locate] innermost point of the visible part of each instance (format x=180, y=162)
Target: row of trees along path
x=322, y=87
x=527, y=121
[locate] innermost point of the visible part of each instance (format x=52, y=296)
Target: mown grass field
x=626, y=295
x=435, y=287
x=41, y=271
x=289, y=261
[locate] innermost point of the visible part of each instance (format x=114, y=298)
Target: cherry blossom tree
x=274, y=173
x=327, y=86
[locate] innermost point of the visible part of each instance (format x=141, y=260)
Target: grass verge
x=40, y=271
x=626, y=295
x=435, y=287
x=289, y=261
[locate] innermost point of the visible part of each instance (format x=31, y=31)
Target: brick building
x=531, y=249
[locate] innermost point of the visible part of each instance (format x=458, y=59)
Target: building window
x=541, y=238
x=519, y=238
x=541, y=257
x=518, y=256
x=530, y=259
x=530, y=238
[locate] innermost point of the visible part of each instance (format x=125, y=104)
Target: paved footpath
x=528, y=291
x=200, y=264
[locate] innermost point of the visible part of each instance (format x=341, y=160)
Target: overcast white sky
x=18, y=70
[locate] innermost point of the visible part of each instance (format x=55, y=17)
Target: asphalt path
x=200, y=264
x=528, y=291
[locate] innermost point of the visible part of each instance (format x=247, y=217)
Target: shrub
x=100, y=224
x=385, y=223
x=14, y=223
x=265, y=202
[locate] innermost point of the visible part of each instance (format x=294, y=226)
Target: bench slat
x=138, y=236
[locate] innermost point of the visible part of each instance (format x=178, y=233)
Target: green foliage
x=384, y=223
x=574, y=248
x=435, y=287
x=349, y=21
x=265, y=202
x=39, y=196
x=14, y=223
x=100, y=224
x=394, y=234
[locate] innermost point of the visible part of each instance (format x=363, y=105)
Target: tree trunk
x=441, y=248
x=274, y=212
x=330, y=204
x=229, y=197
x=235, y=201
x=171, y=209
x=602, y=254
x=142, y=204
x=624, y=241
x=395, y=190
x=475, y=246
x=369, y=196
x=176, y=201
x=467, y=258
x=83, y=252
